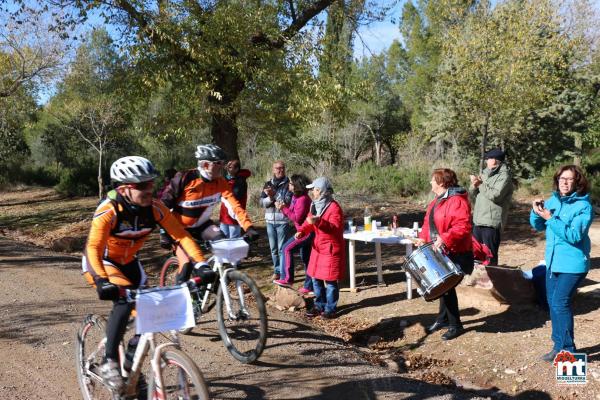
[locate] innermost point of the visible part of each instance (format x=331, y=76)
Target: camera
x=540, y=203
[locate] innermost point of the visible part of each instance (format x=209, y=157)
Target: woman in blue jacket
x=566, y=216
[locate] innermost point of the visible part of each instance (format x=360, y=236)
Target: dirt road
x=43, y=299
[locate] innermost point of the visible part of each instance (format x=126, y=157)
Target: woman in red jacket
x=448, y=224
x=328, y=255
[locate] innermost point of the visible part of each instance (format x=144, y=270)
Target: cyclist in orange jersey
x=120, y=226
x=193, y=194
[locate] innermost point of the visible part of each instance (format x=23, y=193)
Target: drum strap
x=433, y=232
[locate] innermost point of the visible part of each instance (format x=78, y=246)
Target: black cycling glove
x=251, y=234
x=107, y=290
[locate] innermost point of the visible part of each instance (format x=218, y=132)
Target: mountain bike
x=173, y=374
x=240, y=306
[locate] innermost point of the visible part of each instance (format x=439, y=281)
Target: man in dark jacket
x=278, y=227
x=236, y=177
x=492, y=191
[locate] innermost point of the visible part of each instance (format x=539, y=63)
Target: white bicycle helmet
x=132, y=169
x=210, y=152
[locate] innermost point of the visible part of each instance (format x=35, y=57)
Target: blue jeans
x=560, y=288
x=231, y=231
x=327, y=294
x=286, y=266
x=278, y=234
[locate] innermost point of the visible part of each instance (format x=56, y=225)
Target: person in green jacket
x=492, y=191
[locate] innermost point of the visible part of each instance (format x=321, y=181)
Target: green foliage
x=424, y=27
x=503, y=69
x=368, y=178
x=81, y=181
x=16, y=112
x=20, y=173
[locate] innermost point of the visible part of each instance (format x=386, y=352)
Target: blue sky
x=375, y=38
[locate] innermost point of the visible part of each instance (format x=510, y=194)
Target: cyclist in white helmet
x=193, y=194
x=120, y=226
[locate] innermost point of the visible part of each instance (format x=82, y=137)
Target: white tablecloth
x=378, y=237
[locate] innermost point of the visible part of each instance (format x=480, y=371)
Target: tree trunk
x=378, y=152
x=224, y=129
x=578, y=148
x=224, y=132
x=100, y=182
x=484, y=139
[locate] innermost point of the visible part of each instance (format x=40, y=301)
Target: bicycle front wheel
x=243, y=327
x=168, y=272
x=89, y=352
x=182, y=379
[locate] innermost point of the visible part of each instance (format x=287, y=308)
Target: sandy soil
x=376, y=348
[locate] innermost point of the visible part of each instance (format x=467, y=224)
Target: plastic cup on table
x=352, y=229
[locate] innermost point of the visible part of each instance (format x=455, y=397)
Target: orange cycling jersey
x=192, y=198
x=119, y=230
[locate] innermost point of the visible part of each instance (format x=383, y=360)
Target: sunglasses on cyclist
x=219, y=163
x=142, y=186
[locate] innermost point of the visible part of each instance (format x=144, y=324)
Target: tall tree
x=30, y=52
x=424, y=27
x=217, y=46
x=501, y=66
x=87, y=104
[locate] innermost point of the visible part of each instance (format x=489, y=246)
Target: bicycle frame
x=146, y=344
x=218, y=267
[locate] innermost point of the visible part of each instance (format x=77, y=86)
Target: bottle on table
x=394, y=224
x=368, y=218
x=415, y=229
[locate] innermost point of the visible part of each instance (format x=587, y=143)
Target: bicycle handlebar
x=130, y=294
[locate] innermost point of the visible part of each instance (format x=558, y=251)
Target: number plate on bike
x=229, y=250
x=164, y=309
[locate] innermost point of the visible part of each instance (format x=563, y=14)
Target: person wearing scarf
x=328, y=255
x=448, y=225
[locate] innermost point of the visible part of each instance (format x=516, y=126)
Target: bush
x=403, y=180
x=82, y=181
x=17, y=173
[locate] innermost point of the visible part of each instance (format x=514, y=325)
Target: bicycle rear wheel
x=244, y=327
x=182, y=378
x=89, y=352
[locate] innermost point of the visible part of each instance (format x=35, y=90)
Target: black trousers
x=490, y=237
x=449, y=312
x=116, y=326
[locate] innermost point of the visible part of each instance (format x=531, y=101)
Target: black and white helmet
x=132, y=169
x=210, y=152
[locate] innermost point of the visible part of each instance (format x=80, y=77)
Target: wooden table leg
x=378, y=261
x=409, y=250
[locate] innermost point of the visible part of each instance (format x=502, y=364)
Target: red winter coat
x=452, y=219
x=328, y=254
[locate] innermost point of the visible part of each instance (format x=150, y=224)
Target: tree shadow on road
x=29, y=322
x=412, y=389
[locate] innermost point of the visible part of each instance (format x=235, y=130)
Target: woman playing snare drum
x=448, y=225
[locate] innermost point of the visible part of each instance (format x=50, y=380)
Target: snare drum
x=434, y=272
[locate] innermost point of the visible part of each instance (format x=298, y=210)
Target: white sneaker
x=110, y=372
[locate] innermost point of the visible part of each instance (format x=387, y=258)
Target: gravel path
x=43, y=298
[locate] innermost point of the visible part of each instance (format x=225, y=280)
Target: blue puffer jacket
x=567, y=240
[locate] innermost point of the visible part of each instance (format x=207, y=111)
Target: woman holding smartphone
x=566, y=217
